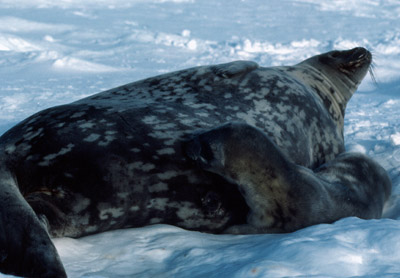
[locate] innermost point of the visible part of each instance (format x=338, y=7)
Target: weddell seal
x=139, y=154
x=283, y=196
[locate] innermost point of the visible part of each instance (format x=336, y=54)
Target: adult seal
x=119, y=158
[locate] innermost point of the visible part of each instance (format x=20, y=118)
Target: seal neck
x=343, y=86
x=333, y=94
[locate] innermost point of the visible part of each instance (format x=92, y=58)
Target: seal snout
x=359, y=54
x=353, y=63
x=348, y=59
x=354, y=59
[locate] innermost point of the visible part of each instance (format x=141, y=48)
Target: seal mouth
x=353, y=60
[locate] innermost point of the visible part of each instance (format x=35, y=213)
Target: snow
x=54, y=52
x=166, y=251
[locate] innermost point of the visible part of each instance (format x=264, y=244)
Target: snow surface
x=54, y=52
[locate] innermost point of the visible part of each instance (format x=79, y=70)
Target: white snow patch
x=395, y=139
x=14, y=43
x=356, y=148
x=348, y=248
x=20, y=25
x=74, y=64
x=68, y=4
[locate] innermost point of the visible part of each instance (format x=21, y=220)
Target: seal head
x=344, y=69
x=334, y=77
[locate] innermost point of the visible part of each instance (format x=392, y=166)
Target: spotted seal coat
x=283, y=196
x=115, y=159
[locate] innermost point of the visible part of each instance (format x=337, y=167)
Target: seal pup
x=115, y=159
x=282, y=196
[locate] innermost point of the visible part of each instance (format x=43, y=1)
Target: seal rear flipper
x=25, y=246
x=232, y=69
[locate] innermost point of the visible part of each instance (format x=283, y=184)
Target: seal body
x=283, y=196
x=115, y=159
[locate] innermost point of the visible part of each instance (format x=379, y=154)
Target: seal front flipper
x=25, y=246
x=232, y=69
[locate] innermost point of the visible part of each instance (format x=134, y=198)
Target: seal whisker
x=372, y=74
